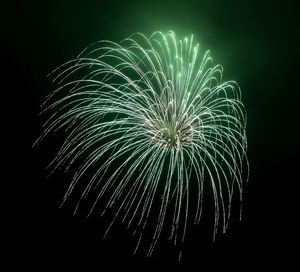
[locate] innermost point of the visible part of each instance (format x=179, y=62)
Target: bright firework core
x=172, y=127
x=175, y=133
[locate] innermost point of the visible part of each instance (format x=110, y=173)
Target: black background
x=256, y=41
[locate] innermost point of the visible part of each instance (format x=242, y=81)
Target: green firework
x=148, y=122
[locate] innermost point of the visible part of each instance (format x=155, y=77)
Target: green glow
x=154, y=115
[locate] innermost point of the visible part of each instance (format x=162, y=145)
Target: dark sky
x=255, y=41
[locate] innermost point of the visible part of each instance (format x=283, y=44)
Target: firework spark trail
x=153, y=115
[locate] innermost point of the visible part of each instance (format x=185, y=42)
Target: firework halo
x=149, y=123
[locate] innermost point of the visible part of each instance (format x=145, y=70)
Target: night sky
x=255, y=41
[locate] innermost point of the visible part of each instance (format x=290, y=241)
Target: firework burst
x=149, y=119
